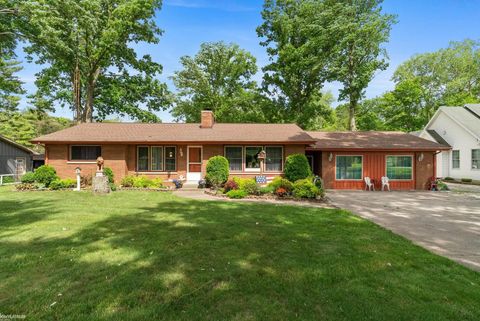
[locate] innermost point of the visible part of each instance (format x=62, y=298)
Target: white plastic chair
x=385, y=183
x=368, y=184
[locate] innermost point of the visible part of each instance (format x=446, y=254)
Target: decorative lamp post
x=78, y=171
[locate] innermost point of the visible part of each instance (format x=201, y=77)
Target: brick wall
x=113, y=155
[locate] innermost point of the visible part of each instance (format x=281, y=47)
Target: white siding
x=459, y=139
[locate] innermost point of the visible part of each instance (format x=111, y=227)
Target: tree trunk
x=352, y=126
x=88, y=111
x=77, y=94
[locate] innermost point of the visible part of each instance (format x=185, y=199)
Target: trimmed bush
x=112, y=186
x=217, y=171
x=304, y=188
x=45, y=174
x=109, y=173
x=62, y=183
x=28, y=178
x=448, y=179
x=281, y=182
x=250, y=186
x=266, y=190
x=230, y=185
x=466, y=180
x=127, y=181
x=237, y=193
x=297, y=167
x=8, y=180
x=142, y=182
x=157, y=183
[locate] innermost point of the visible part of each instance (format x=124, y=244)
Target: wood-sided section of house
x=344, y=159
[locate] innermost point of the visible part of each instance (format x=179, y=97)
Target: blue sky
x=423, y=26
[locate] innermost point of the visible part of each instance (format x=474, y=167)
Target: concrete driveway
x=447, y=223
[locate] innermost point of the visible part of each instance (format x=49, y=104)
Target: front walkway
x=447, y=223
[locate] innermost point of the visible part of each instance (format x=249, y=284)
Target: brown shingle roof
x=372, y=140
x=178, y=133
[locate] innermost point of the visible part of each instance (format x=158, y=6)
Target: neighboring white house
x=458, y=127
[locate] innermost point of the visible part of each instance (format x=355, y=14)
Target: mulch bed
x=271, y=197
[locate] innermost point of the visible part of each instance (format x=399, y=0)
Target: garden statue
x=100, y=163
x=100, y=181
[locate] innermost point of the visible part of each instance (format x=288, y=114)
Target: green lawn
x=153, y=256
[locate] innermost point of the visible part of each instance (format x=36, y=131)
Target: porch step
x=190, y=186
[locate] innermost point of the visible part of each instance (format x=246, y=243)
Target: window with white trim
x=455, y=159
x=85, y=152
x=156, y=158
x=348, y=167
x=170, y=158
x=475, y=158
x=399, y=167
x=234, y=155
x=252, y=163
x=274, y=158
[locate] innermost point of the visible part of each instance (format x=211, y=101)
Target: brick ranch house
x=174, y=150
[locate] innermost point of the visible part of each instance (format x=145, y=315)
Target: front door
x=194, y=168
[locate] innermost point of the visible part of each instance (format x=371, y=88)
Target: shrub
x=250, y=186
x=62, y=183
x=127, y=181
x=29, y=178
x=217, y=171
x=237, y=193
x=281, y=192
x=466, y=180
x=112, y=186
x=318, y=182
x=142, y=182
x=26, y=187
x=281, y=182
x=304, y=188
x=157, y=183
x=230, y=185
x=448, y=178
x=109, y=173
x=45, y=174
x=297, y=167
x=266, y=190
x=8, y=180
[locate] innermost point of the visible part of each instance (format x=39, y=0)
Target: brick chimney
x=207, y=119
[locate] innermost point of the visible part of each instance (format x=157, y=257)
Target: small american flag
x=261, y=179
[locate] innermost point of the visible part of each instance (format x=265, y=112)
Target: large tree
x=300, y=47
x=218, y=78
x=449, y=76
x=362, y=28
x=10, y=84
x=89, y=63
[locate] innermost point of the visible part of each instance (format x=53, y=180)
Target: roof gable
x=17, y=145
x=466, y=117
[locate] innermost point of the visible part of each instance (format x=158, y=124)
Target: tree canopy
x=300, y=48
x=218, y=78
x=10, y=84
x=89, y=63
